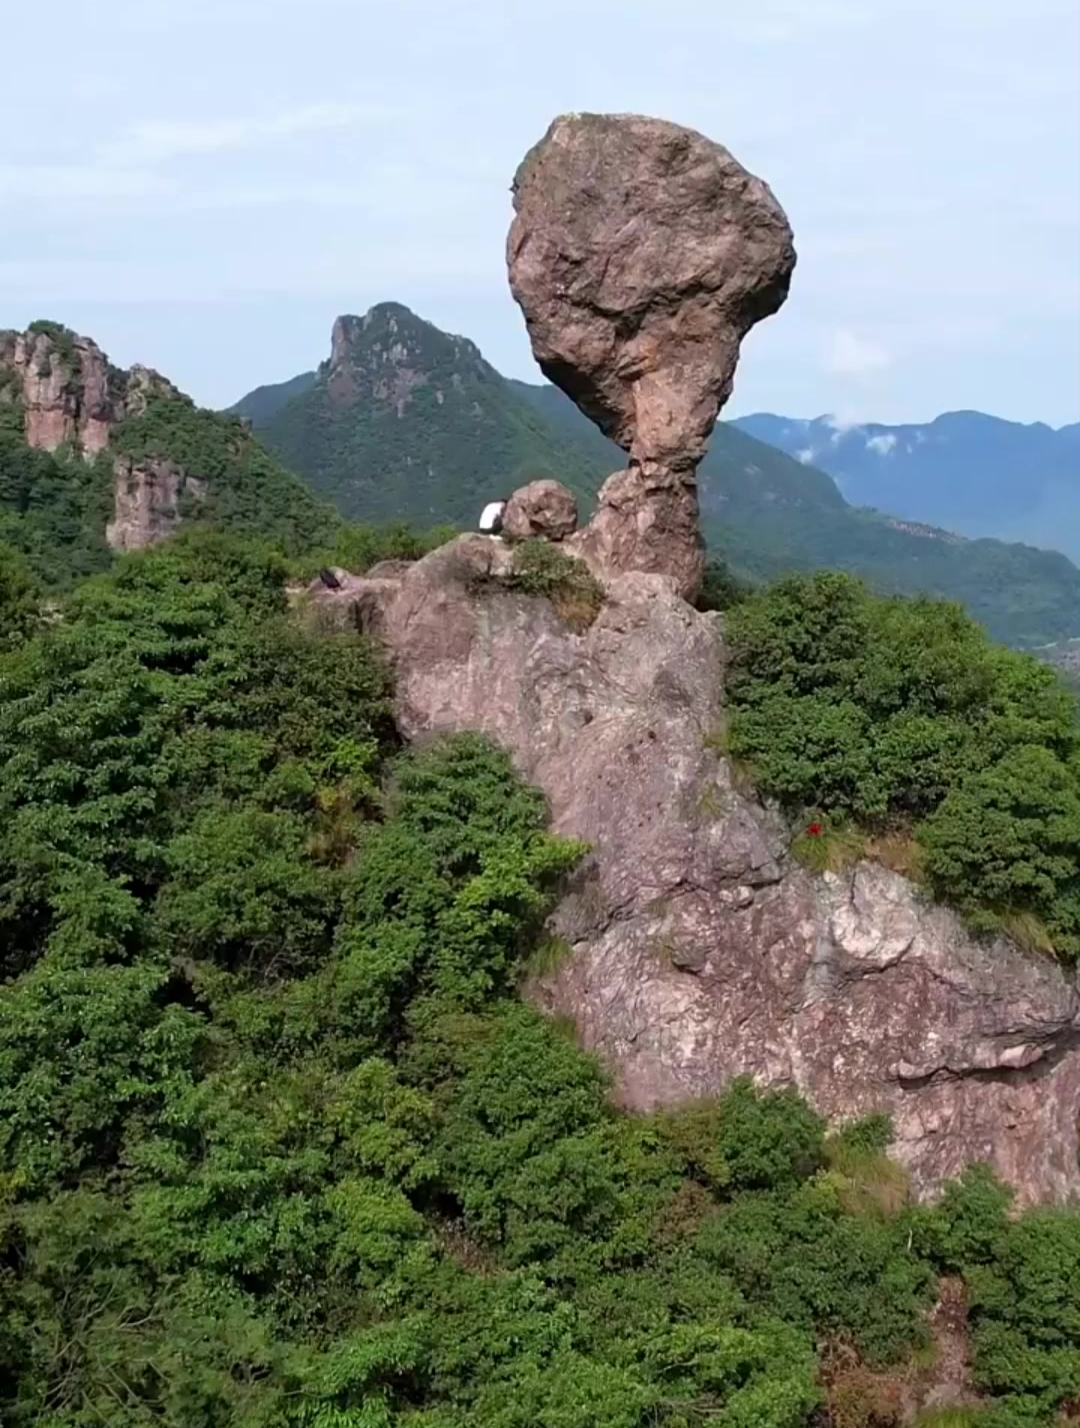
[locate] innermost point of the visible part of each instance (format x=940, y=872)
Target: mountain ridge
x=976, y=473
x=762, y=511
x=344, y=430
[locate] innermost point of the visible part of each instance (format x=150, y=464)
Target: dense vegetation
x=247, y=492
x=409, y=423
x=902, y=716
x=279, y=1145
x=54, y=506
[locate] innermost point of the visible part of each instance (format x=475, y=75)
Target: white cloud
x=849, y=355
x=156, y=141
x=882, y=445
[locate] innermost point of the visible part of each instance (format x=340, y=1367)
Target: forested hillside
x=405, y=422
x=92, y=457
x=766, y=514
x=966, y=470
x=279, y=1144
x=895, y=728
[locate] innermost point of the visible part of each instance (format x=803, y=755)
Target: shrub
x=540, y=568
x=900, y=717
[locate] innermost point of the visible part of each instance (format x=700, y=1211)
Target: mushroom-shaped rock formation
x=542, y=508
x=641, y=254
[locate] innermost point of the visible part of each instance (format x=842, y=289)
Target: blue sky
x=202, y=185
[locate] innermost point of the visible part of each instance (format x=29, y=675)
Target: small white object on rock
x=491, y=517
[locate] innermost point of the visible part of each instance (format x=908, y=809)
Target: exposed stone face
x=646, y=522
x=387, y=354
x=66, y=391
x=641, y=254
x=701, y=951
x=70, y=395
x=542, y=508
x=147, y=500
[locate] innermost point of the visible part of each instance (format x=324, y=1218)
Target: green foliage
x=720, y=589
x=20, y=599
x=247, y=492
x=540, y=568
x=357, y=548
x=53, y=508
x=1023, y=1283
x=766, y=515
x=900, y=714
x=279, y=1146
x=749, y=1141
x=410, y=423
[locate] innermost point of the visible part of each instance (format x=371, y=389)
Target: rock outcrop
x=540, y=509
x=700, y=949
x=70, y=396
x=641, y=254
x=69, y=393
x=147, y=502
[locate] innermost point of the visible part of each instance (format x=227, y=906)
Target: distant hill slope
x=404, y=422
x=972, y=473
x=766, y=513
x=94, y=459
x=407, y=423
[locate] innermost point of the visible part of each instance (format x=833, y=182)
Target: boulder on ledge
x=542, y=508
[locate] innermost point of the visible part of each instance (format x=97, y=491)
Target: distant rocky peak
x=389, y=352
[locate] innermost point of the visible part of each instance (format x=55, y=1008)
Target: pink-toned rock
x=69, y=392
x=701, y=949
x=147, y=502
x=645, y=520
x=542, y=508
x=641, y=254
x=65, y=391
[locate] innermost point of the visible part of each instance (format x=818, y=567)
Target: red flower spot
x=815, y=830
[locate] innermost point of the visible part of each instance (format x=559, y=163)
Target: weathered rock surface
x=68, y=391
x=641, y=254
x=701, y=951
x=147, y=502
x=542, y=508
x=644, y=521
x=70, y=395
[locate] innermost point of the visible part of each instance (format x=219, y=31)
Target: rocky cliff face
x=147, y=499
x=384, y=356
x=700, y=949
x=71, y=396
x=69, y=393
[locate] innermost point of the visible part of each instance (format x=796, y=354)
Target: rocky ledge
x=700, y=949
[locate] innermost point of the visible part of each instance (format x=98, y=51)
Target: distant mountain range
x=405, y=422
x=972, y=473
